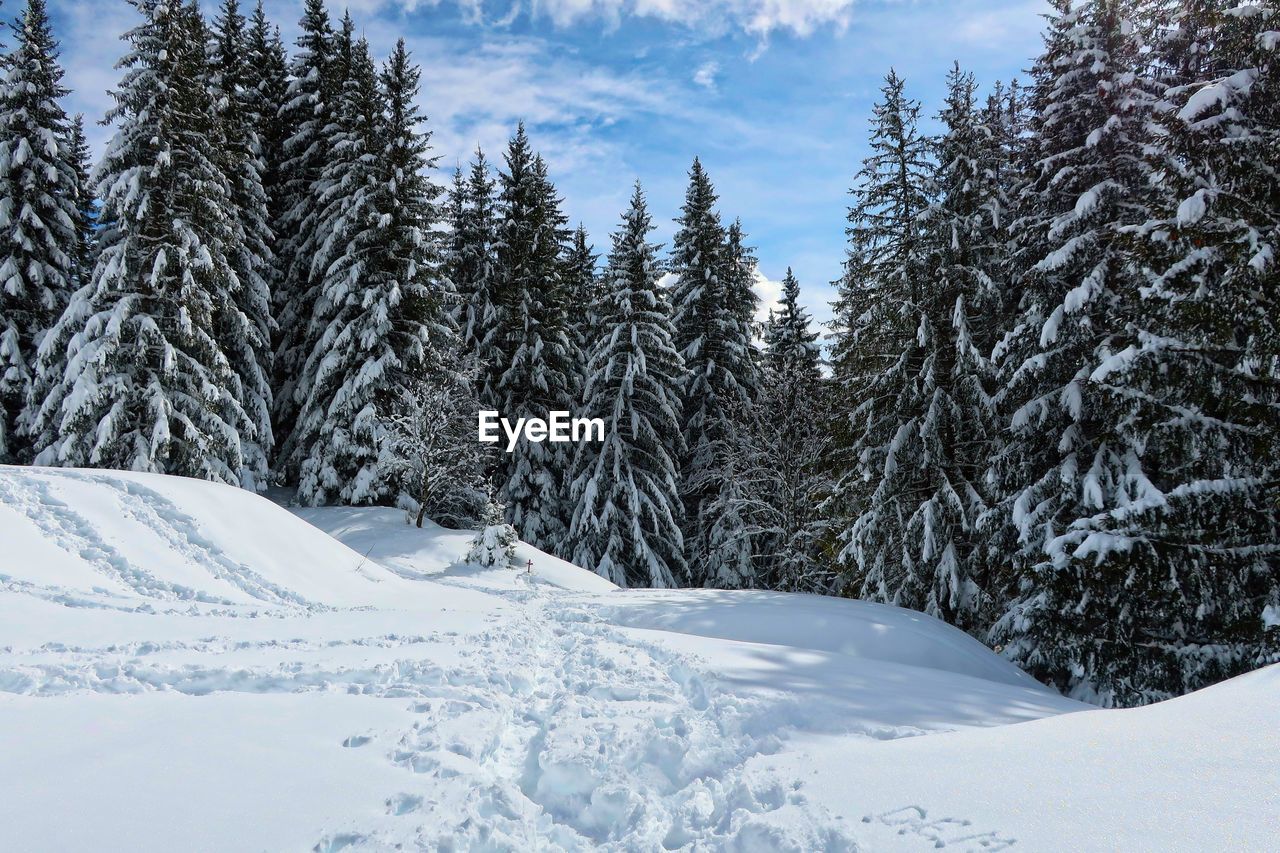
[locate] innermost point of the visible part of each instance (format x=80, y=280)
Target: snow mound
x=858, y=629
x=114, y=538
x=435, y=551
x=1194, y=773
x=123, y=538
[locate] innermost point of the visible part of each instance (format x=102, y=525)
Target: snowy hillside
x=187, y=666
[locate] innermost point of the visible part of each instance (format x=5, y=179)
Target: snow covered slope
x=188, y=666
x=384, y=536
x=1198, y=773
x=118, y=537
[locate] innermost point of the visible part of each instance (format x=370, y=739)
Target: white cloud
x=90, y=45
x=1000, y=29
x=769, y=292
x=477, y=94
x=801, y=17
x=705, y=75
x=756, y=17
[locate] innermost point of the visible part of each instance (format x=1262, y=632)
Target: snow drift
x=124, y=537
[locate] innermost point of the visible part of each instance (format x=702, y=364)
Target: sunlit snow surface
x=187, y=666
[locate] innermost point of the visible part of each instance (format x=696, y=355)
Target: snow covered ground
x=188, y=666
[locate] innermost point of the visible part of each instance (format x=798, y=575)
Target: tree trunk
x=422, y=501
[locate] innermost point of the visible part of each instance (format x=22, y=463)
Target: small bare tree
x=431, y=443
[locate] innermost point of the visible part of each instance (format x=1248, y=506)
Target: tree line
x=1049, y=414
x=1056, y=353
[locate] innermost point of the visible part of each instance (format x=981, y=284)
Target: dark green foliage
x=626, y=522
x=533, y=356
x=712, y=308
x=147, y=384
x=41, y=234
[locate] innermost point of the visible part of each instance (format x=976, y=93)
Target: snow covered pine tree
x=533, y=358
x=715, y=343
x=785, y=465
x=378, y=319
x=244, y=322
x=626, y=525
x=730, y=545
x=1089, y=614
x=924, y=451
x=584, y=296
x=86, y=205
x=41, y=232
x=147, y=385
x=886, y=322
x=310, y=106
x=471, y=267
x=1202, y=549
x=495, y=543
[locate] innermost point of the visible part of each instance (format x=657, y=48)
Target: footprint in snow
x=942, y=831
x=402, y=804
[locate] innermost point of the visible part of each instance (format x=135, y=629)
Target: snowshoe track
x=587, y=739
x=940, y=832
x=32, y=495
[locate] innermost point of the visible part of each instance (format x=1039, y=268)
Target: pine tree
x=784, y=473
x=626, y=524
x=86, y=204
x=889, y=195
x=730, y=545
x=740, y=300
x=923, y=450
x=533, y=357
x=1078, y=450
x=52, y=362
x=147, y=384
x=494, y=545
x=584, y=294
x=1199, y=554
x=453, y=247
x=791, y=346
x=244, y=324
x=1003, y=160
x=38, y=218
x=473, y=273
x=881, y=353
x=378, y=318
x=713, y=338
x=307, y=114
x=265, y=95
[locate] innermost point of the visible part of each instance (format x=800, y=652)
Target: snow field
x=188, y=666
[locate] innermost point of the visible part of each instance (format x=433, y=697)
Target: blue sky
x=774, y=95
